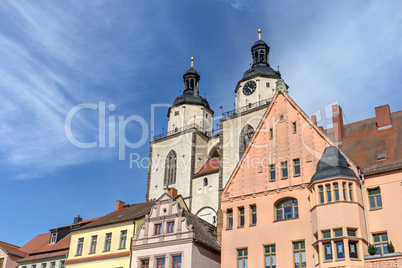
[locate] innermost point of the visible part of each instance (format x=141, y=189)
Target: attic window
x=119, y=217
x=381, y=156
x=53, y=238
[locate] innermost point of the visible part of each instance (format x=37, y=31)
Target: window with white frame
x=123, y=239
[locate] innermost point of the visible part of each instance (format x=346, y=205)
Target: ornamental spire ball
x=259, y=34
x=192, y=62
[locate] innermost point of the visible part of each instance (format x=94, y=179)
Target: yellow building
x=106, y=241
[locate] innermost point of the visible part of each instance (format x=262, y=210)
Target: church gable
x=283, y=152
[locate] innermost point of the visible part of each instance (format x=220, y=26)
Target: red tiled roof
x=211, y=166
x=12, y=249
x=40, y=244
x=363, y=142
x=127, y=213
x=44, y=256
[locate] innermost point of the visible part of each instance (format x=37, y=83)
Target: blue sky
x=56, y=55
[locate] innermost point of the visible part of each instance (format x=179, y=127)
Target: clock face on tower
x=249, y=88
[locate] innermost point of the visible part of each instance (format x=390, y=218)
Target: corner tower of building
x=190, y=108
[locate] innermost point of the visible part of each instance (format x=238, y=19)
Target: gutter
x=364, y=207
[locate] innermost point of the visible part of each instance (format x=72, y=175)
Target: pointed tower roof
x=332, y=164
x=260, y=53
x=191, y=92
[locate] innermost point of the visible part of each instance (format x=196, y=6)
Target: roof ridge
x=8, y=244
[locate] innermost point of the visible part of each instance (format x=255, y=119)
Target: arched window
x=262, y=56
x=205, y=181
x=187, y=84
x=170, y=168
x=287, y=209
x=245, y=137
x=255, y=57
x=192, y=84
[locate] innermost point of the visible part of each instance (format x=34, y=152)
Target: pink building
x=304, y=197
x=172, y=237
x=10, y=254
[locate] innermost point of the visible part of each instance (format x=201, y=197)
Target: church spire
x=191, y=79
x=260, y=52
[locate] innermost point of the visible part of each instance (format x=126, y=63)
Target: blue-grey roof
x=188, y=97
x=332, y=164
x=263, y=69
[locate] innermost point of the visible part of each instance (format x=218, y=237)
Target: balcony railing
x=215, y=132
x=246, y=108
x=182, y=129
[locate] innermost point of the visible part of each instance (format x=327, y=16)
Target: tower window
x=176, y=113
x=205, y=181
x=245, y=137
x=170, y=168
x=267, y=84
x=262, y=56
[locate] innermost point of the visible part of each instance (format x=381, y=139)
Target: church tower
x=254, y=93
x=179, y=154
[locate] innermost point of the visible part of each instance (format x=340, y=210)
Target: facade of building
x=50, y=250
x=106, y=241
x=318, y=196
x=172, y=237
x=10, y=254
x=194, y=158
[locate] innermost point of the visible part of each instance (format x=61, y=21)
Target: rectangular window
x=241, y=217
x=350, y=192
x=123, y=239
x=230, y=218
x=108, y=242
x=271, y=133
x=328, y=251
x=1, y=262
x=336, y=191
x=53, y=238
x=351, y=232
x=92, y=247
x=170, y=227
x=80, y=245
x=338, y=233
x=381, y=243
x=328, y=189
x=253, y=216
x=326, y=234
x=270, y=257
x=157, y=229
x=61, y=264
x=33, y=266
x=296, y=166
x=299, y=254
x=284, y=169
x=160, y=263
x=144, y=264
x=44, y=265
x=375, y=198
x=344, y=190
x=353, y=250
x=271, y=172
x=340, y=251
x=53, y=264
x=321, y=193
x=176, y=262
x=267, y=84
x=176, y=113
x=294, y=127
x=242, y=258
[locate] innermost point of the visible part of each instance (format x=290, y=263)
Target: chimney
x=119, y=205
x=337, y=121
x=173, y=192
x=314, y=119
x=383, y=117
x=77, y=219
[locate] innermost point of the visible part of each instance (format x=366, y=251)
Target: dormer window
x=381, y=156
x=53, y=238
